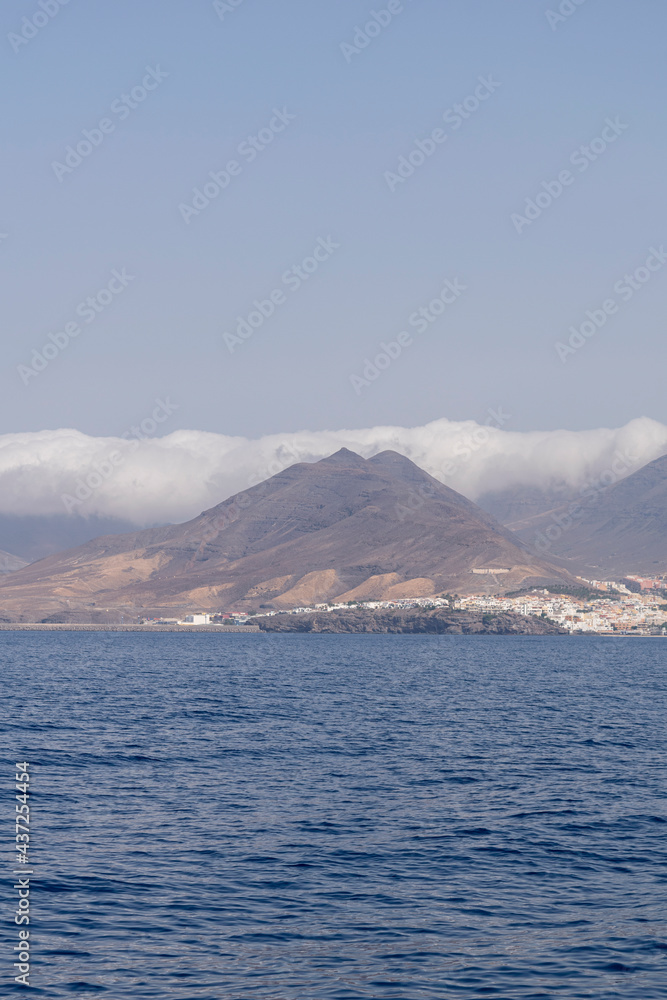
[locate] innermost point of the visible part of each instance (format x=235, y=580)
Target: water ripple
x=338, y=818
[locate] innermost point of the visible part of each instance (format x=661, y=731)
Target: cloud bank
x=173, y=478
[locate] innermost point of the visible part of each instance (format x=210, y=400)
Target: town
x=634, y=605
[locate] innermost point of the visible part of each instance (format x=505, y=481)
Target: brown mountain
x=615, y=530
x=343, y=528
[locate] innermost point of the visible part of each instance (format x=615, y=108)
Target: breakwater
x=64, y=627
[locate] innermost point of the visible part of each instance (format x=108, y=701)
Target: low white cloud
x=175, y=477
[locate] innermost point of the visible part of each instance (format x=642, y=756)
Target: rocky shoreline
x=416, y=621
x=441, y=621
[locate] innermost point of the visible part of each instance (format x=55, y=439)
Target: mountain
x=343, y=528
x=616, y=530
x=10, y=563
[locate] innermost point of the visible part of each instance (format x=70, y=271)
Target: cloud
x=173, y=478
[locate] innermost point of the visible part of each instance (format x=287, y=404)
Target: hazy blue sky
x=324, y=177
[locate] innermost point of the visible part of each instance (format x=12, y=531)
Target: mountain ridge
x=619, y=529
x=342, y=528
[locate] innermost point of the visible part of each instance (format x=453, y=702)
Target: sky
x=498, y=166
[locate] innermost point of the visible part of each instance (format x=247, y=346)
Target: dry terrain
x=344, y=528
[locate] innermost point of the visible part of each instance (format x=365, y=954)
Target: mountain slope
x=617, y=530
x=342, y=528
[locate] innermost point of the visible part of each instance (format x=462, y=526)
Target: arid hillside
x=343, y=528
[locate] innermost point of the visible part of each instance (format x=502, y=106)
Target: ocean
x=314, y=817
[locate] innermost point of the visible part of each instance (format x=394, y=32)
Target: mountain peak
x=343, y=528
x=397, y=465
x=343, y=457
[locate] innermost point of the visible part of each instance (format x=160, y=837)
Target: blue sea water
x=340, y=817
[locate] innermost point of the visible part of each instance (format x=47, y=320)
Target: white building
x=197, y=619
